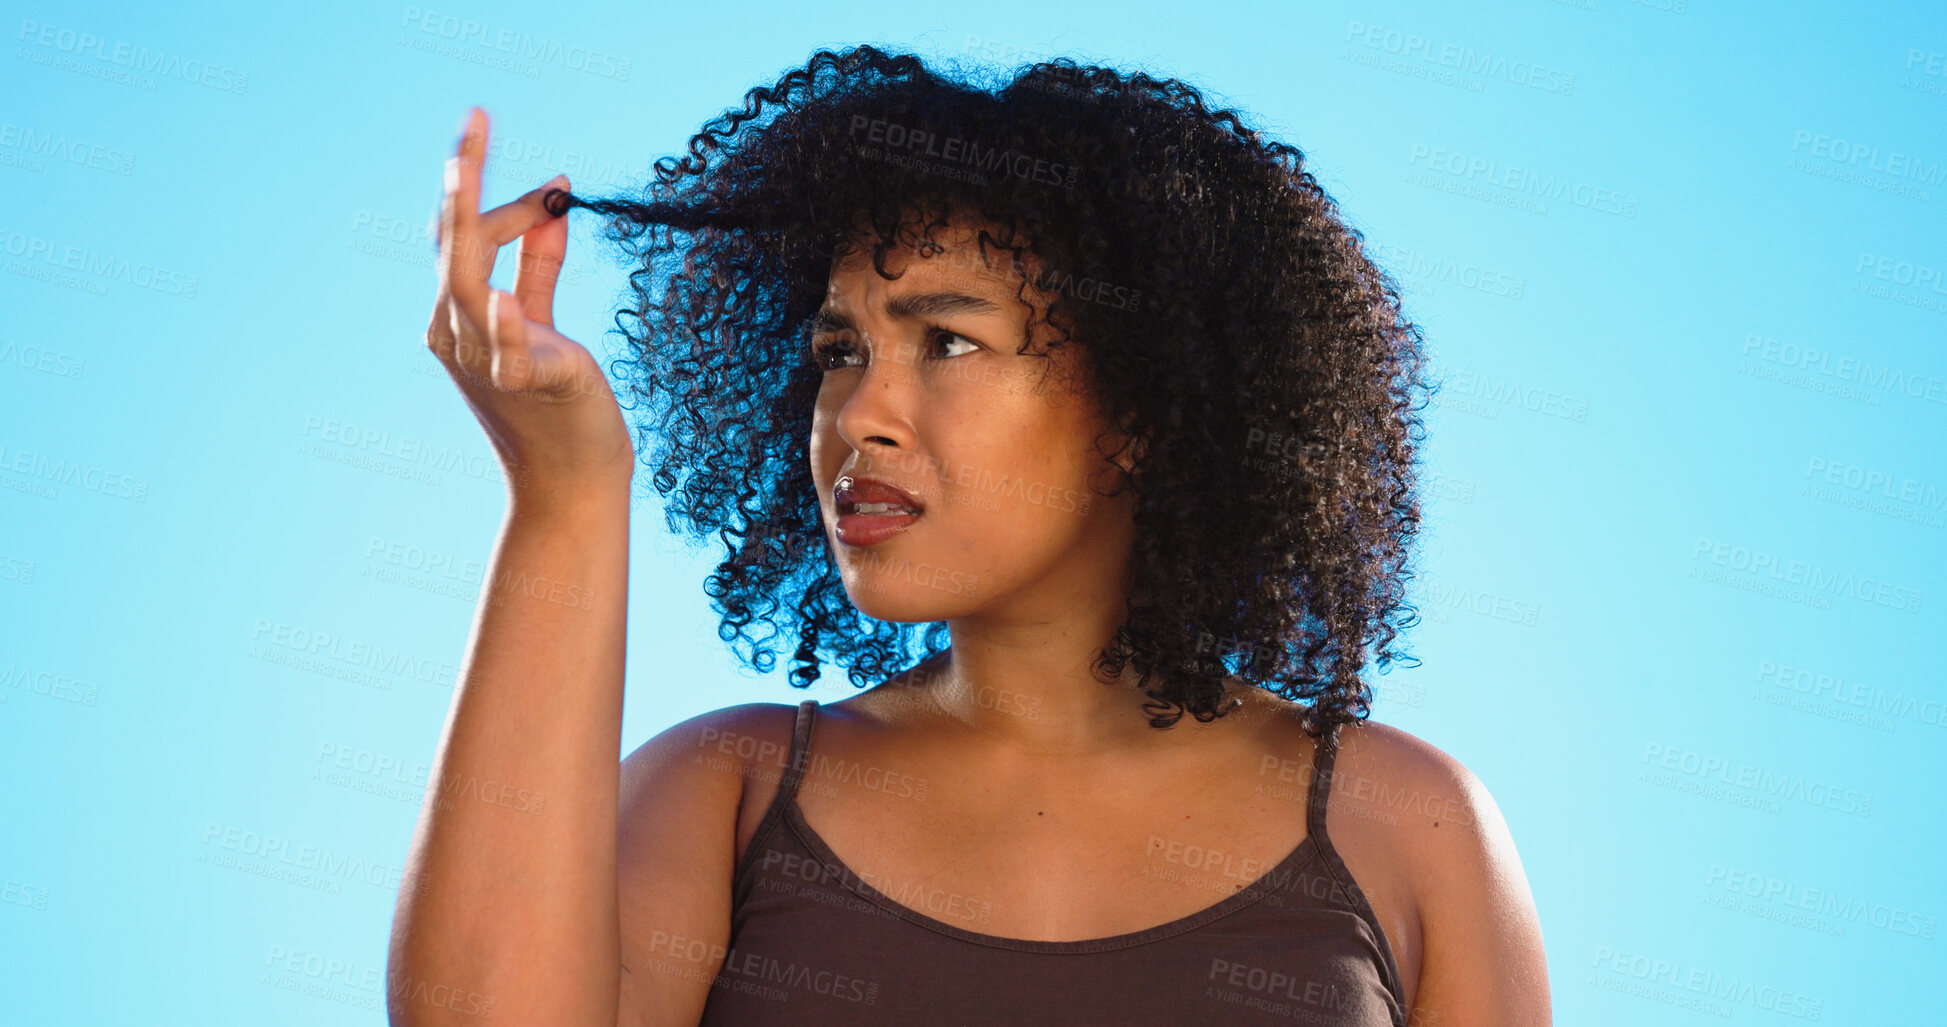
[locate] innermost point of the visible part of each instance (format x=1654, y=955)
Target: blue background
x=1687, y=526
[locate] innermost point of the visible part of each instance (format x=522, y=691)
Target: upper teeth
x=879, y=508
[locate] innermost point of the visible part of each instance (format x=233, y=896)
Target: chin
x=910, y=591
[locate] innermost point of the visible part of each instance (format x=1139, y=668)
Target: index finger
x=538, y=257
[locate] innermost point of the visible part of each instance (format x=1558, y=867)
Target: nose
x=878, y=411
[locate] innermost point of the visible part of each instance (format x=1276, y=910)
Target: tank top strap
x=1324, y=754
x=1324, y=768
x=800, y=755
x=787, y=790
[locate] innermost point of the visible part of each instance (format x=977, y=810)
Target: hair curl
x=1265, y=360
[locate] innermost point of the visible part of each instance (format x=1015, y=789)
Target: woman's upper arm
x=1482, y=962
x=679, y=794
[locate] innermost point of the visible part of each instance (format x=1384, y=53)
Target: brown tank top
x=813, y=944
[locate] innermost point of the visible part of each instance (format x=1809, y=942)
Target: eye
x=831, y=354
x=935, y=334
x=827, y=353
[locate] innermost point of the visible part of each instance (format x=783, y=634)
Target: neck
x=1044, y=699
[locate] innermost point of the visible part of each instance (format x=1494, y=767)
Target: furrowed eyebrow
x=918, y=305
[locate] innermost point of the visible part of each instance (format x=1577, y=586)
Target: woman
x=1094, y=383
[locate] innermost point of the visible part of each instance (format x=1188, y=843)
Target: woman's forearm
x=508, y=910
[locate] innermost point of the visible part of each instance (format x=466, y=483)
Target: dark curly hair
x=1259, y=353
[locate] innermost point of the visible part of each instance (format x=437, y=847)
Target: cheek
x=827, y=450
x=1026, y=469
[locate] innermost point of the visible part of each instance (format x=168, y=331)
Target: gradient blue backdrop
x=1681, y=264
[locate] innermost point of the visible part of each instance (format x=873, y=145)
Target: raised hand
x=540, y=396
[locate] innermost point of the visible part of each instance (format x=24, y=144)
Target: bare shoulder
x=681, y=790
x=1481, y=956
x=1405, y=774
x=734, y=740
x=679, y=800
x=748, y=722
